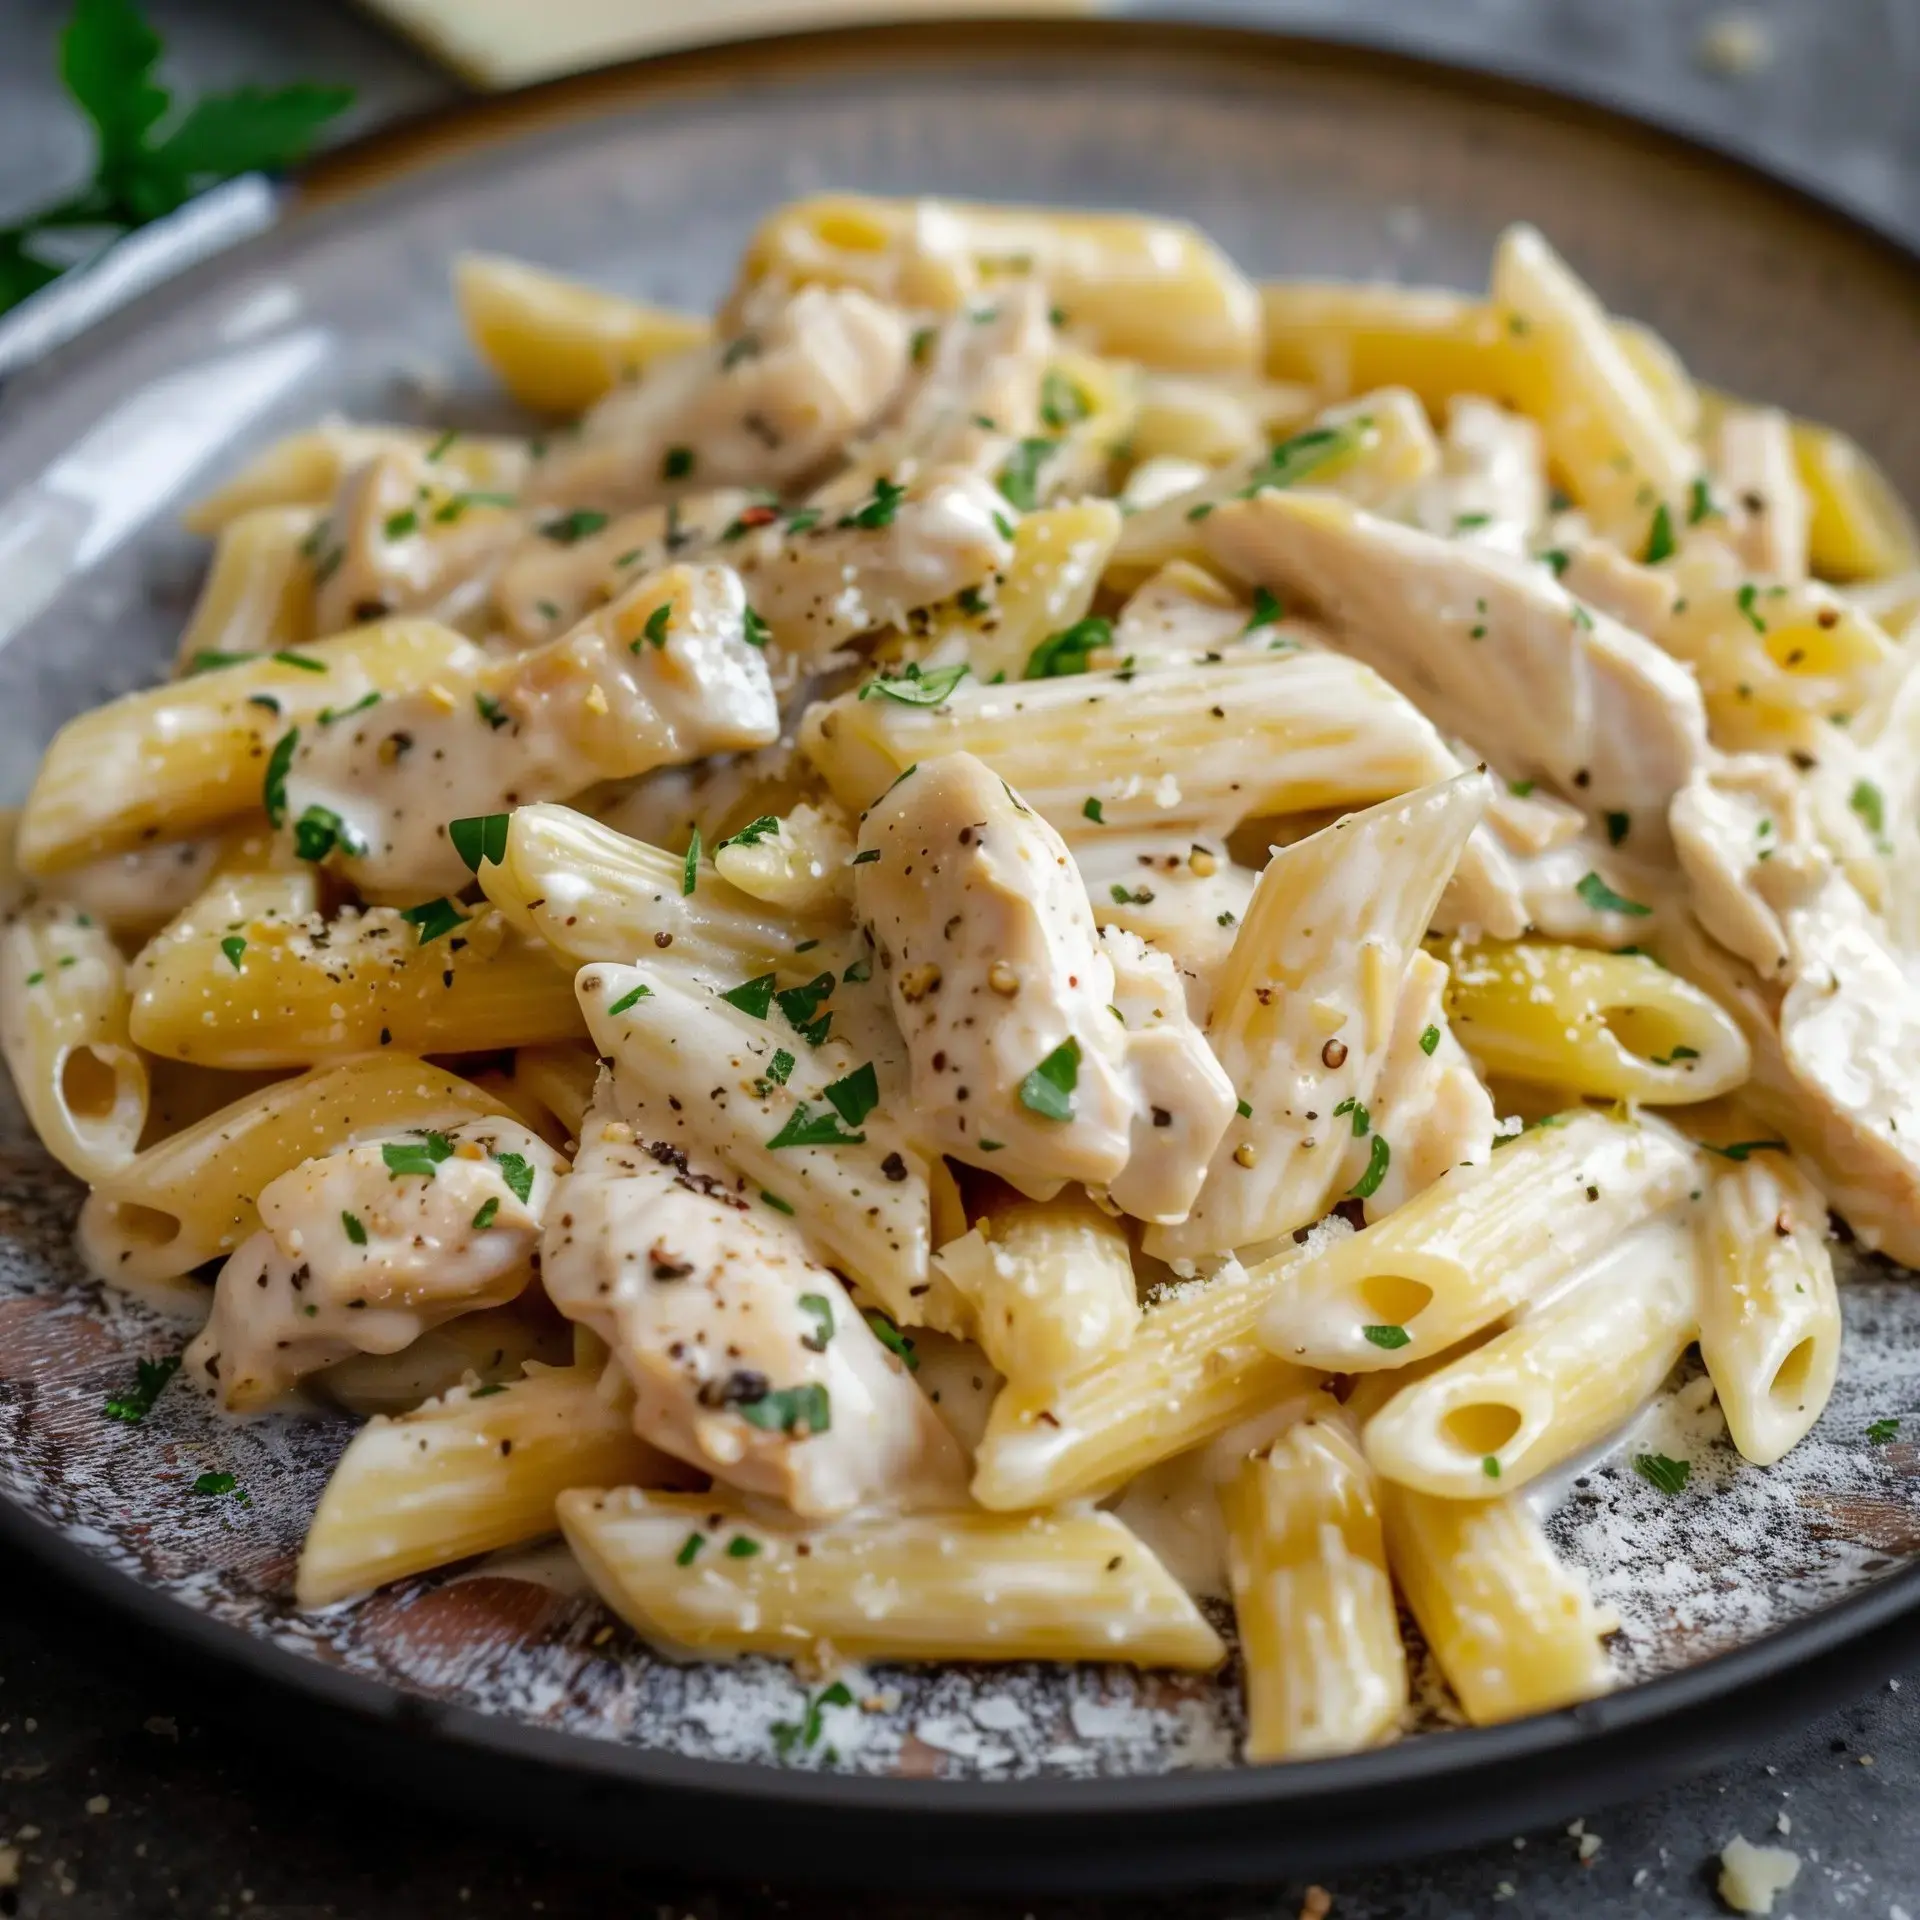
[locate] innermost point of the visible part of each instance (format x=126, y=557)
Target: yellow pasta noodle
x=259, y=591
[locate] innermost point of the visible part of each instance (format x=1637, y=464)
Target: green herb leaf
x=741, y=1547
x=1619, y=825
x=1062, y=402
x=1679, y=1053
x=351, y=1226
x=494, y=714
x=1267, y=611
x=1744, y=600
x=149, y=1379
x=1490, y=1467
x=778, y=1068
x=211, y=660
x=752, y=833
x=1699, y=501
x=1066, y=652
x=855, y=1095
x=916, y=689
x=800, y=1004
x=396, y=526
x=1048, y=1089
x=480, y=837
x=328, y=715
x=1019, y=477
x=408, y=1157
x=1881, y=1433
x=1092, y=811
x=1377, y=1163
x=233, y=946
x=690, y=869
x=517, y=1171
x=489, y=1207
x=273, y=791
x=892, y=1338
x=790, y=1410
x=575, y=526
x=631, y=998
x=1870, y=804
x=1670, y=1476
x=1289, y=462
x=776, y=1203
x=1243, y=1109
x=754, y=631
x=677, y=464
x=1602, y=898
x=431, y=918
x=1429, y=1039
x=805, y=1128
x=688, y=1548
x=1362, y=1119
x=1520, y=788
x=319, y=830
x=876, y=511
x=1743, y=1150
x=1660, y=541
x=753, y=996
x=821, y=1309
x=1388, y=1339
x=215, y=1483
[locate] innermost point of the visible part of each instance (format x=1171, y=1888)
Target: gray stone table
x=124, y=1793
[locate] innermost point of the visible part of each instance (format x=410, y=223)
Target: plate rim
x=328, y=195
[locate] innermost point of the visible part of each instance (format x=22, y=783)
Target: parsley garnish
x=1092, y=811
x=233, y=946
x=1267, y=611
x=1699, y=501
x=319, y=830
x=752, y=996
x=1243, y=1110
x=806, y=1731
x=1429, y=1039
x=1670, y=1476
x=1881, y=1432
x=1289, y=462
x=1619, y=825
x=1362, y=1119
x=480, y=837
x=876, y=511
x=821, y=1310
x=677, y=464
x=1745, y=1149
x=216, y=1483
x=1019, y=478
x=493, y=713
x=149, y=1379
x=688, y=1548
x=273, y=791
x=570, y=527
x=805, y=1128
x=1490, y=1467
x=431, y=918
x=752, y=834
x=1744, y=600
x=857, y=971
x=1048, y=1089
x=892, y=1338
x=517, y=1171
x=405, y=1157
x=328, y=715
x=1660, y=542
x=1066, y=652
x=740, y=1547
x=776, y=1203
x=1377, y=1162
x=211, y=660
x=397, y=526
x=855, y=1095
x=1061, y=401
x=482, y=1220
x=1870, y=804
x=1602, y=898
x=690, y=868
x=1679, y=1053
x=800, y=1004
x=351, y=1226
x=790, y=1410
x=632, y=999
x=1388, y=1339
x=754, y=631
x=1520, y=788
x=655, y=629
x=778, y=1068
x=916, y=689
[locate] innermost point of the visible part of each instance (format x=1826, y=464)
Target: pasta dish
x=1033, y=954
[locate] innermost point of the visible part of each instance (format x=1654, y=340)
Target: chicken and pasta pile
x=1028, y=936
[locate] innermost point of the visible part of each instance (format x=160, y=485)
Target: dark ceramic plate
x=1746, y=1600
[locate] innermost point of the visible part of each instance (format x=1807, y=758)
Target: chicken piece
x=366, y=1248
x=1491, y=489
x=1427, y=1100
x=746, y=1356
x=1490, y=648
x=569, y=565
x=1185, y=1097
x=1768, y=518
x=1005, y=995
x=404, y=535
x=977, y=393
x=772, y=407
x=827, y=573
x=663, y=675
x=1602, y=578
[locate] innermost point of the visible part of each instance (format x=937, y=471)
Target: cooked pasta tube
x=1304, y=1008
x=1514, y=1628
x=694, y=1573
x=1319, y=1630
x=1140, y=288
x=1190, y=745
x=593, y=894
x=559, y=344
x=1478, y=1243
x=291, y=992
x=1193, y=1368
x=193, y=1196
x=259, y=592
x=1606, y=432
x=1765, y=503
x=63, y=1030
x=1564, y=1377
x=561, y=1079
x=135, y=894
x=1616, y=1026
x=1050, y=1285
x=1769, y=1314
x=1860, y=528
x=493, y=1346
x=470, y=1473
x=305, y=469
x=694, y=1070
x=173, y=759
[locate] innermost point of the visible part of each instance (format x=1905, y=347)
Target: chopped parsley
x=149, y=1379
x=491, y=711
x=800, y=1004
x=1267, y=611
x=1387, y=1339
x=407, y=1157
x=1092, y=811
x=677, y=464
x=892, y=1338
x=1243, y=1110
x=805, y=1732
x=489, y=1207
x=752, y=833
x=1744, y=600
x=1699, y=501
x=1065, y=652
x=397, y=526
x=876, y=511
x=1679, y=1053
x=655, y=630
x=632, y=999
x=450, y=509
x=1870, y=804
x=1619, y=825
x=1062, y=402
x=1602, y=898
x=1660, y=541
x=820, y=1309
x=480, y=837
x=1377, y=1163
x=1880, y=1433
x=233, y=946
x=216, y=1483
x=753, y=996
x=914, y=688
x=776, y=1203
x=1429, y=1039
x=1288, y=462
x=319, y=830
x=690, y=1546
x=211, y=659
x=517, y=1171
x=574, y=526
x=777, y=1071
x=753, y=630
x=1019, y=478
x=1743, y=1150
x=1520, y=788
x=805, y=1128
x=790, y=1410
x=273, y=791
x=431, y=918
x=1048, y=1089
x=1490, y=1467
x=854, y=1095
x=856, y=973
x=1362, y=1119
x=351, y=1226
x=741, y=1547
x=1130, y=896
x=328, y=715
x=1670, y=1476
x=288, y=658
x=690, y=867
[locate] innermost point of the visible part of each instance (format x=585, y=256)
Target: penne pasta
x=1769, y=1314
x=475, y=1471
x=63, y=1030
x=561, y=1079
x=948, y=1586
x=1319, y=1629
x=259, y=592
x=1477, y=1244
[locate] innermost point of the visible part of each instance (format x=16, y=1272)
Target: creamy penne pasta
x=1085, y=936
